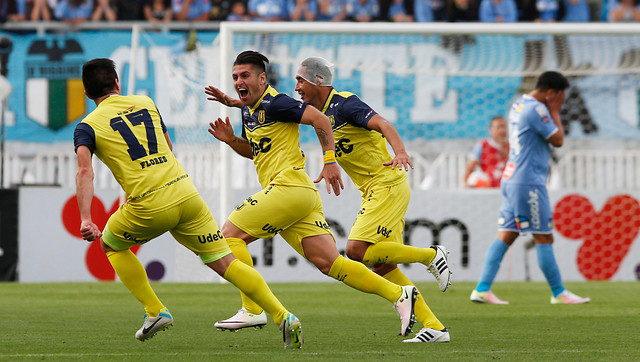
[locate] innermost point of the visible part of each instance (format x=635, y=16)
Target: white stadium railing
x=577, y=169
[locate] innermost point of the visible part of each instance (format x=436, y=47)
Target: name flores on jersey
x=153, y=161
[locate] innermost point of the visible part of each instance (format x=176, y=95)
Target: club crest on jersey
x=519, y=107
x=261, y=117
x=542, y=111
x=332, y=119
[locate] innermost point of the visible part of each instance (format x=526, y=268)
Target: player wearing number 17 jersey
x=128, y=135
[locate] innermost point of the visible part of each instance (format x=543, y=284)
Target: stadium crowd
x=78, y=11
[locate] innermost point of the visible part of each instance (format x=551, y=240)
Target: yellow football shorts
x=190, y=222
x=381, y=215
x=291, y=211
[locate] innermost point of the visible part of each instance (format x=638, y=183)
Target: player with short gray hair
x=375, y=239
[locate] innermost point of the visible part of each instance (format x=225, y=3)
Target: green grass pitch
x=97, y=321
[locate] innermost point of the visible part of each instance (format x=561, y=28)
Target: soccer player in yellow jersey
x=289, y=203
x=361, y=137
x=129, y=136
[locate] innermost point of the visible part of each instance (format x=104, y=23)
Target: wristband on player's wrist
x=329, y=157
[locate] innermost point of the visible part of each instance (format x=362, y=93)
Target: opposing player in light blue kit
x=534, y=123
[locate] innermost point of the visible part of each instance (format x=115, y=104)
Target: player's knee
x=383, y=269
x=323, y=264
x=355, y=252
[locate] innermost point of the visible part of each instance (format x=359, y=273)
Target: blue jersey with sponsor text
x=530, y=126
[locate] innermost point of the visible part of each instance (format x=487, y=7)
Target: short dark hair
x=254, y=58
x=99, y=77
x=552, y=80
x=495, y=118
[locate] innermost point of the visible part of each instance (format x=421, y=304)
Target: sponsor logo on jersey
x=128, y=236
x=262, y=146
x=271, y=229
x=382, y=230
x=534, y=207
x=508, y=170
x=343, y=146
x=209, y=238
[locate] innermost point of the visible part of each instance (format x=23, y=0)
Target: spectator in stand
x=238, y=12
x=548, y=10
x=158, y=11
x=574, y=11
x=12, y=10
x=422, y=11
x=73, y=11
x=498, y=11
x=462, y=11
x=332, y=10
x=527, y=11
x=267, y=10
x=399, y=12
x=131, y=10
x=489, y=157
x=191, y=10
x=104, y=10
x=362, y=10
x=302, y=10
x=624, y=11
x=38, y=10
x=439, y=8
x=221, y=9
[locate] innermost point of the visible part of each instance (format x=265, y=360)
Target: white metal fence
x=577, y=169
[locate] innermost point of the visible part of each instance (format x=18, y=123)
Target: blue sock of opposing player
x=492, y=261
x=548, y=265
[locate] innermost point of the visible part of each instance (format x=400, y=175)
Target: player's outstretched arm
x=383, y=126
x=223, y=131
x=331, y=171
x=84, y=194
x=217, y=95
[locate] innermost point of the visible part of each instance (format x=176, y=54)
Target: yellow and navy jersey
x=127, y=134
x=272, y=128
x=360, y=151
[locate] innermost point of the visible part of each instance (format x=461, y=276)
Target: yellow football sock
x=423, y=313
x=134, y=277
x=358, y=276
x=250, y=282
x=396, y=253
x=240, y=251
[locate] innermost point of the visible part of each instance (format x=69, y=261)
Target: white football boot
x=404, y=306
x=440, y=268
x=430, y=335
x=486, y=297
x=152, y=326
x=242, y=319
x=566, y=297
